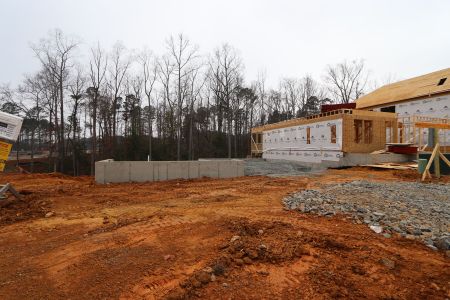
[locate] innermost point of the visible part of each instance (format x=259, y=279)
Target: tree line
x=136, y=105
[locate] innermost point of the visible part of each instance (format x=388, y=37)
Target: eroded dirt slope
x=214, y=239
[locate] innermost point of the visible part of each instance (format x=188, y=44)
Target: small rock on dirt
x=203, y=277
x=235, y=238
x=358, y=270
x=376, y=229
x=443, y=243
x=49, y=214
x=168, y=257
x=247, y=260
x=390, y=264
x=263, y=273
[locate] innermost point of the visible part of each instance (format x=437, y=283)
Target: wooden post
x=437, y=167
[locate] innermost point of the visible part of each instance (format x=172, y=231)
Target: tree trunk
x=150, y=130
x=32, y=151
x=62, y=146
x=94, y=134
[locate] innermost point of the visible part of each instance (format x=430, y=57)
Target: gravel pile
x=413, y=210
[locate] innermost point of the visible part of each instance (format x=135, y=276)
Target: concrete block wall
x=110, y=171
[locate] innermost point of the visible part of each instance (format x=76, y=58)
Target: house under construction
x=398, y=115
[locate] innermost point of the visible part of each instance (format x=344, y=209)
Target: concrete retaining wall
x=110, y=171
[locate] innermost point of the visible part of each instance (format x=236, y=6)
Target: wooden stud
x=444, y=159
x=430, y=161
x=437, y=166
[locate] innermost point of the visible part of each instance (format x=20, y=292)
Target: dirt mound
x=250, y=243
x=277, y=258
x=29, y=207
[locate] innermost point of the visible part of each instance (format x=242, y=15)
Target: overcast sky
x=403, y=38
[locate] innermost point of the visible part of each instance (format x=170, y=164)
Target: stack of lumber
x=394, y=166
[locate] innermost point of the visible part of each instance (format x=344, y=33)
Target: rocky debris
x=413, y=210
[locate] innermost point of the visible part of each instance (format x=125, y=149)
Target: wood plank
x=444, y=159
x=432, y=125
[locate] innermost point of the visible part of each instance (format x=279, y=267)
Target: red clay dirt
x=210, y=239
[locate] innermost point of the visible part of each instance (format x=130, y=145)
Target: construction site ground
x=70, y=238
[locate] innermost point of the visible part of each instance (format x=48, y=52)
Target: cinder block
x=100, y=172
x=177, y=170
x=162, y=170
x=141, y=171
x=227, y=169
x=209, y=169
x=240, y=166
x=194, y=169
x=117, y=171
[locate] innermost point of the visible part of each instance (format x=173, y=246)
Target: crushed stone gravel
x=413, y=210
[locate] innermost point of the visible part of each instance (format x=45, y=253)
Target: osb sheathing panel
x=378, y=133
x=417, y=87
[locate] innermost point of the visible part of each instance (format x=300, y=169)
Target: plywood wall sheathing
x=379, y=130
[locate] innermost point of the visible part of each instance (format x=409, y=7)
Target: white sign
x=10, y=126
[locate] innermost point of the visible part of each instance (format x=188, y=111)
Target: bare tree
x=196, y=85
x=165, y=72
x=183, y=54
x=97, y=69
x=346, y=80
x=261, y=93
x=55, y=54
x=291, y=92
x=150, y=73
x=225, y=69
x=77, y=86
x=118, y=67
